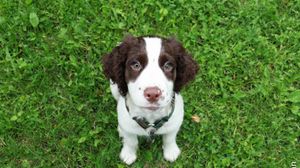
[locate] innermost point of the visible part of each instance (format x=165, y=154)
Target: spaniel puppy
x=146, y=75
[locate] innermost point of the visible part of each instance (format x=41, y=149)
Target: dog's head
x=149, y=69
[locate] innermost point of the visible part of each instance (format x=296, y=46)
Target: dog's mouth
x=152, y=108
x=156, y=106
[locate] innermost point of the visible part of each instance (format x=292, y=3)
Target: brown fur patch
x=116, y=65
x=186, y=67
x=163, y=58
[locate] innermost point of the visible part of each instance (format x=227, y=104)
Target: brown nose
x=152, y=94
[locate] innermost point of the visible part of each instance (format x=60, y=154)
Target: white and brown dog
x=146, y=75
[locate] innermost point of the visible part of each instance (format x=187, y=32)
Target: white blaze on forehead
x=153, y=47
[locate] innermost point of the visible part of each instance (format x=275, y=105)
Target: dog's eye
x=168, y=67
x=136, y=65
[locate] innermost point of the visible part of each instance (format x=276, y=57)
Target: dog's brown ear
x=114, y=64
x=187, y=67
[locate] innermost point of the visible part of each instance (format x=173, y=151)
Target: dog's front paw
x=171, y=152
x=127, y=155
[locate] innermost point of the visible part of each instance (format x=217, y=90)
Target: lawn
x=56, y=109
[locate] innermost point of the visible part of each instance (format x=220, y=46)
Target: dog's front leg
x=130, y=145
x=171, y=150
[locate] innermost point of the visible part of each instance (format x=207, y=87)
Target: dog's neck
x=150, y=115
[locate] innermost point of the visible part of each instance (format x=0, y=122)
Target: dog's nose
x=152, y=94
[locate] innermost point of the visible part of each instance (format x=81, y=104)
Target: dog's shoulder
x=114, y=90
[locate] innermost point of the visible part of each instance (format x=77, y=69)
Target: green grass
x=56, y=109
